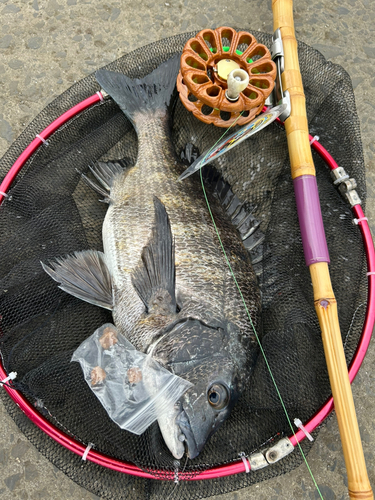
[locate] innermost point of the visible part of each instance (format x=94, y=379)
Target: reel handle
x=237, y=81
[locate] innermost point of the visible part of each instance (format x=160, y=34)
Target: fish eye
x=218, y=396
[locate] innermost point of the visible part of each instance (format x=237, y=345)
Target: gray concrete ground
x=47, y=45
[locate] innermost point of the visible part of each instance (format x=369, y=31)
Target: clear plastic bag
x=133, y=388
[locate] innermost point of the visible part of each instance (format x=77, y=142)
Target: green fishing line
x=256, y=335
x=217, y=142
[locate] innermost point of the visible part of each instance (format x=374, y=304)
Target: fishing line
x=177, y=482
x=256, y=336
x=351, y=324
x=222, y=136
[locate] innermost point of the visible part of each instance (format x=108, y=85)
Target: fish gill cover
x=52, y=212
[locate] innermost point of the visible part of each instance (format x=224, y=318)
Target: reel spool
x=206, y=63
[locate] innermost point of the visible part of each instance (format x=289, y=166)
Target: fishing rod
x=316, y=254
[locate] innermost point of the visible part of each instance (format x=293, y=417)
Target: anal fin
x=105, y=173
x=93, y=185
x=154, y=278
x=84, y=275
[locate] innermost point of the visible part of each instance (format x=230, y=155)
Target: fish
x=163, y=273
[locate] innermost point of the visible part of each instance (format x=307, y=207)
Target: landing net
x=50, y=212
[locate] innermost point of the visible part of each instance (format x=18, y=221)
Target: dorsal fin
x=154, y=278
x=240, y=214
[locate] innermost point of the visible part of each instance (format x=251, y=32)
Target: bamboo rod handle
x=325, y=303
x=358, y=483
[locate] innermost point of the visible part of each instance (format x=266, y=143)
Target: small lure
x=259, y=123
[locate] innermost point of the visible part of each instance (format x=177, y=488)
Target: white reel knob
x=237, y=81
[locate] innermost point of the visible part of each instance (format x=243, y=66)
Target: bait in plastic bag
x=133, y=388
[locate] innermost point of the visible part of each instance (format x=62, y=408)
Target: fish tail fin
x=144, y=95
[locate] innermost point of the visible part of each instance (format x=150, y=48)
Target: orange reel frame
x=202, y=90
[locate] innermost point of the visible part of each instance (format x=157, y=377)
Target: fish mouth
x=183, y=423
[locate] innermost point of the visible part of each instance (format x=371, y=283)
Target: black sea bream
x=163, y=273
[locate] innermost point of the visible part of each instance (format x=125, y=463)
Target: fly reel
x=225, y=74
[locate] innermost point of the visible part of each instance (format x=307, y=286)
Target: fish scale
x=167, y=281
x=200, y=263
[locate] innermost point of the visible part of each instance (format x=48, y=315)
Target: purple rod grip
x=310, y=219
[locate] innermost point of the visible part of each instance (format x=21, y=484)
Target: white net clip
x=11, y=376
x=370, y=273
x=315, y=138
x=176, y=464
x=42, y=139
x=100, y=96
x=89, y=446
x=245, y=461
x=357, y=221
x=4, y=194
x=298, y=423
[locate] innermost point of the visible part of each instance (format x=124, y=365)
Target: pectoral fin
x=154, y=278
x=84, y=275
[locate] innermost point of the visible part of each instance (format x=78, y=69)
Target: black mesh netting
x=51, y=212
